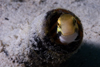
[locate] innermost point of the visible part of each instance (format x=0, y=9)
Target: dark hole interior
x=52, y=26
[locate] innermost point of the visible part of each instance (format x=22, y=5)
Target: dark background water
x=87, y=56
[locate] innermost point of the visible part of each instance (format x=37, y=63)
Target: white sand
x=20, y=26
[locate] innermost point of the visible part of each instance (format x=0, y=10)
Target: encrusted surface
x=17, y=26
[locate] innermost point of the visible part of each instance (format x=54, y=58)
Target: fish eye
x=59, y=25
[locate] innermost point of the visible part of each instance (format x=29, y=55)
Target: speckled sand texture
x=16, y=27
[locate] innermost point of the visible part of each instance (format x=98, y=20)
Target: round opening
x=51, y=27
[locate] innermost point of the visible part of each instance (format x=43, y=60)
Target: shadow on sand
x=87, y=56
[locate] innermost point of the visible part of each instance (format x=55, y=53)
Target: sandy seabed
x=16, y=18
